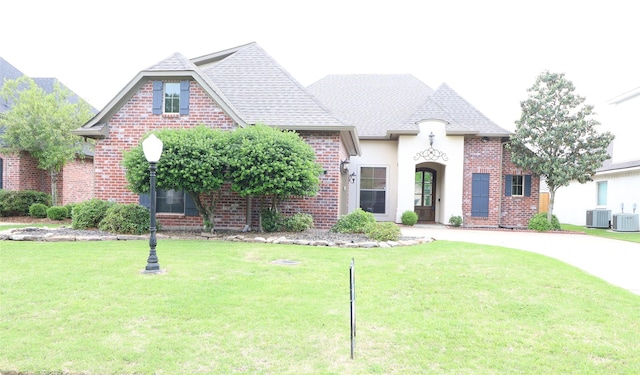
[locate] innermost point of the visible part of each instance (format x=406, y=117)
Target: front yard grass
x=605, y=233
x=226, y=307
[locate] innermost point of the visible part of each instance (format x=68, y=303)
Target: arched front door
x=424, y=195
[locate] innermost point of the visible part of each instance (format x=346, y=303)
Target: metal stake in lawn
x=352, y=289
x=152, y=147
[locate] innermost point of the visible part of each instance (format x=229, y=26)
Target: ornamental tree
x=41, y=124
x=272, y=164
x=556, y=135
x=193, y=160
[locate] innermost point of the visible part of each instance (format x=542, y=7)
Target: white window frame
x=164, y=97
x=513, y=185
x=386, y=188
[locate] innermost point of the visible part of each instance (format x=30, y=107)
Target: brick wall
x=20, y=172
x=482, y=156
x=517, y=210
x=76, y=181
x=131, y=122
x=134, y=119
x=489, y=156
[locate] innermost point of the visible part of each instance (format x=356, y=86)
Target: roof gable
x=247, y=83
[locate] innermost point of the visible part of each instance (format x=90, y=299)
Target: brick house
x=21, y=172
x=386, y=143
x=234, y=88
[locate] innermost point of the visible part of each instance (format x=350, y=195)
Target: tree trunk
x=206, y=212
x=54, y=187
x=552, y=195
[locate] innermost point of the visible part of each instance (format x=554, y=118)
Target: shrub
x=409, y=218
x=540, y=223
x=355, y=222
x=38, y=210
x=70, y=207
x=383, y=231
x=17, y=203
x=299, y=222
x=127, y=219
x=456, y=221
x=88, y=214
x=271, y=221
x=57, y=213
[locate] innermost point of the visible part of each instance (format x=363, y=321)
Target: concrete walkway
x=617, y=262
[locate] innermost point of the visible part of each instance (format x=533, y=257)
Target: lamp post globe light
x=152, y=148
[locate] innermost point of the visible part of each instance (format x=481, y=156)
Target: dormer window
x=171, y=97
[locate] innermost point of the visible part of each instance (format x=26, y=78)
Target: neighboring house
x=616, y=185
x=427, y=151
x=21, y=172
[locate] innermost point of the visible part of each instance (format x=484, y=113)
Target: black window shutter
x=157, y=97
x=508, y=183
x=184, y=97
x=527, y=185
x=190, y=206
x=480, y=195
x=144, y=200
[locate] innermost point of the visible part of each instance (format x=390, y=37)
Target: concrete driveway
x=617, y=262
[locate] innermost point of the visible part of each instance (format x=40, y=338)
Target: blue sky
x=488, y=51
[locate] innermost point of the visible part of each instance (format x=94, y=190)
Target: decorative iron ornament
x=431, y=154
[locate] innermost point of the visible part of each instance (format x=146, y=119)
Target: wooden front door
x=424, y=195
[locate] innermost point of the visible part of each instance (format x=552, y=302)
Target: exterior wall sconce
x=344, y=166
x=352, y=178
x=431, y=138
x=485, y=139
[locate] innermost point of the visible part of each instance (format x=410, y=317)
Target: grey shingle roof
x=263, y=92
x=10, y=72
x=174, y=62
x=383, y=105
x=374, y=103
x=7, y=72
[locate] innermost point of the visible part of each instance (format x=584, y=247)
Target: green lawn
x=605, y=233
x=224, y=307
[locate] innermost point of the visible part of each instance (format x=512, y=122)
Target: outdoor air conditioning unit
x=598, y=218
x=626, y=223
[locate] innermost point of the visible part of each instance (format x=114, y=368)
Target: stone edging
x=9, y=235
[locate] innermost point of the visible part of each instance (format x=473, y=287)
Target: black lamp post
x=152, y=147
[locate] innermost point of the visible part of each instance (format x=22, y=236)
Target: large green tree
x=272, y=164
x=40, y=123
x=257, y=160
x=556, y=136
x=193, y=160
